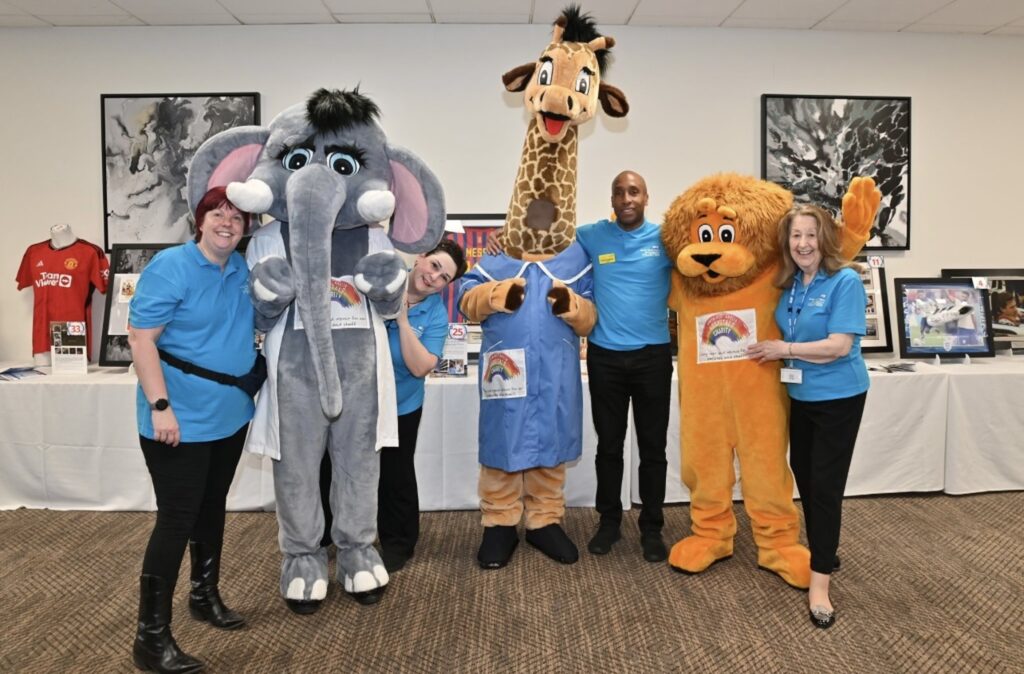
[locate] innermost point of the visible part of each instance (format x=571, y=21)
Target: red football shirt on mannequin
x=63, y=279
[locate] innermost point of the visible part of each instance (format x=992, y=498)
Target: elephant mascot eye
x=297, y=158
x=345, y=164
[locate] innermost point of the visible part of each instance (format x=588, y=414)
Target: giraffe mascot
x=533, y=302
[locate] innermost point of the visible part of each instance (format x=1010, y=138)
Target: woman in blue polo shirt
x=416, y=338
x=192, y=302
x=821, y=315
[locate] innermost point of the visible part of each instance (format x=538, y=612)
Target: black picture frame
x=1004, y=285
x=814, y=145
x=126, y=264
x=878, y=338
x=147, y=145
x=919, y=298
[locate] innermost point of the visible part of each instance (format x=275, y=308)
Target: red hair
x=217, y=197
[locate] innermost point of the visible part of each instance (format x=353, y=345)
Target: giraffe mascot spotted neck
x=534, y=302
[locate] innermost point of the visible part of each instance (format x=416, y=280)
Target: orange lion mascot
x=722, y=234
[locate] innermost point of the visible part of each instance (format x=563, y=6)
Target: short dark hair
x=217, y=197
x=455, y=252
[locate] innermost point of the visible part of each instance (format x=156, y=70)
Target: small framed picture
x=126, y=265
x=878, y=337
x=943, y=317
x=471, y=231
x=1006, y=301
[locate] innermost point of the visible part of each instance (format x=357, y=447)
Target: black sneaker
x=604, y=539
x=654, y=548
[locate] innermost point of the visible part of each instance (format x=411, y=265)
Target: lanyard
x=794, y=317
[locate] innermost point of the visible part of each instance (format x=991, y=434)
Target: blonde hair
x=829, y=236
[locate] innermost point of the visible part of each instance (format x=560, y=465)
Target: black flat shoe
x=822, y=618
x=653, y=547
x=553, y=542
x=497, y=546
x=604, y=539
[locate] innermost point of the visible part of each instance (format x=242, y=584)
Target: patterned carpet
x=928, y=583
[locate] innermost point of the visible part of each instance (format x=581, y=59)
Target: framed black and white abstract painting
x=126, y=265
x=148, y=143
x=815, y=145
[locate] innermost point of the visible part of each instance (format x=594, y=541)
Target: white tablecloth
x=899, y=447
x=71, y=442
x=985, y=426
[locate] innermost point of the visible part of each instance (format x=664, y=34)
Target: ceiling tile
x=807, y=10
x=869, y=26
x=921, y=27
x=278, y=7
x=792, y=23
x=886, y=11
x=687, y=9
x=284, y=19
x=377, y=6
x=20, y=21
x=384, y=18
x=477, y=17
x=194, y=19
x=977, y=13
x=472, y=7
x=73, y=20
x=670, y=20
x=209, y=7
x=1012, y=29
x=67, y=7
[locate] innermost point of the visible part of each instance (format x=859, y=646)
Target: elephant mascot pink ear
x=228, y=157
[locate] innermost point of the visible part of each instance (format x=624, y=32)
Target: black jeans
x=645, y=376
x=821, y=439
x=398, y=501
x=191, y=482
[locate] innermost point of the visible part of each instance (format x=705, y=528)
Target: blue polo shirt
x=429, y=320
x=631, y=284
x=827, y=305
x=208, y=320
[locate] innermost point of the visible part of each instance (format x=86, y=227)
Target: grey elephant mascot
x=324, y=274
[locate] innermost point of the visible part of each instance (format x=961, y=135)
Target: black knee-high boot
x=155, y=648
x=204, y=602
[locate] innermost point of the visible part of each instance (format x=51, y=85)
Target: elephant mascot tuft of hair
x=323, y=277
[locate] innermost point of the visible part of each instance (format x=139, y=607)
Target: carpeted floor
x=929, y=583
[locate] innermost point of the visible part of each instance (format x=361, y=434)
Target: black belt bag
x=249, y=382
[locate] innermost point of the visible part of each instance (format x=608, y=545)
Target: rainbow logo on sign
x=500, y=365
x=723, y=326
x=344, y=293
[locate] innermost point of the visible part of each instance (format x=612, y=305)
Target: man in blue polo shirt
x=629, y=357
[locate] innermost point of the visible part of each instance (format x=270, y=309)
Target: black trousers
x=191, y=482
x=645, y=377
x=821, y=439
x=398, y=501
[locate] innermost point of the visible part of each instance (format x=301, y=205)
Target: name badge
x=792, y=375
x=606, y=258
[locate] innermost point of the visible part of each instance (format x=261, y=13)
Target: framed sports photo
x=816, y=145
x=1006, y=302
x=471, y=231
x=126, y=265
x=878, y=335
x=148, y=144
x=942, y=317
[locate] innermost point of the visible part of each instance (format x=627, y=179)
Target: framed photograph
x=878, y=336
x=126, y=265
x=148, y=143
x=815, y=145
x=1006, y=302
x=942, y=317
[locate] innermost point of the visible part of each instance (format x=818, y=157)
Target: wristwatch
x=160, y=404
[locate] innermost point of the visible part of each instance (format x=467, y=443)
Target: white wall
x=695, y=110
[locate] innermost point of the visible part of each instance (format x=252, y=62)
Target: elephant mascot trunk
x=325, y=267
x=312, y=223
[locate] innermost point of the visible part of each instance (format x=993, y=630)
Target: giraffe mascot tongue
x=533, y=302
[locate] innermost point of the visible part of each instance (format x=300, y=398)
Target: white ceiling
x=982, y=17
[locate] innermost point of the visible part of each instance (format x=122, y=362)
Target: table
x=70, y=442
x=899, y=447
